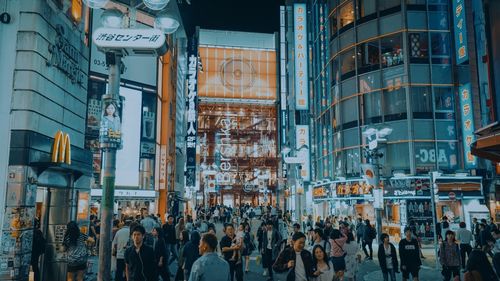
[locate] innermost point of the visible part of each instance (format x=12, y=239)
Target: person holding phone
x=322, y=267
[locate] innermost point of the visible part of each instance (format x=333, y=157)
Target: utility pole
x=434, y=175
x=109, y=169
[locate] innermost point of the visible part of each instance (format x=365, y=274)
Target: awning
x=487, y=145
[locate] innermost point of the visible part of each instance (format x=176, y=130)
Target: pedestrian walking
x=369, y=234
x=409, y=255
x=75, y=246
x=496, y=250
x=119, y=245
x=387, y=258
x=352, y=259
x=337, y=254
x=296, y=260
x=270, y=248
x=191, y=253
x=228, y=251
x=322, y=266
x=184, y=239
x=464, y=238
x=449, y=256
x=318, y=240
x=249, y=246
x=37, y=249
x=479, y=268
x=359, y=230
x=140, y=261
x=160, y=249
x=170, y=239
x=209, y=267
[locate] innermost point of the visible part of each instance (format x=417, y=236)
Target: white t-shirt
x=300, y=270
x=121, y=239
x=269, y=239
x=388, y=257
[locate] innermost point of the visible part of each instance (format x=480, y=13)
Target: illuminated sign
x=61, y=149
x=320, y=192
x=302, y=140
x=192, y=115
x=466, y=111
x=352, y=189
x=300, y=32
x=460, y=31
x=139, y=41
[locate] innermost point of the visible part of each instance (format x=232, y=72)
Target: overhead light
x=95, y=4
x=156, y=4
x=112, y=18
x=167, y=22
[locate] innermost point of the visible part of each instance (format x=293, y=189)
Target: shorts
x=77, y=267
x=338, y=263
x=410, y=270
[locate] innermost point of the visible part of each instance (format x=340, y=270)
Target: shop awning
x=487, y=145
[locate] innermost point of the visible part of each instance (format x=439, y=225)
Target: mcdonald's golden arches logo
x=61, y=149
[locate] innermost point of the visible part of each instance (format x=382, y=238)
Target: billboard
x=460, y=28
x=300, y=47
x=237, y=73
x=192, y=113
x=467, y=116
x=302, y=139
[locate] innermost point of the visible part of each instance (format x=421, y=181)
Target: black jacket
x=275, y=242
x=288, y=254
x=142, y=266
x=381, y=258
x=169, y=232
x=191, y=252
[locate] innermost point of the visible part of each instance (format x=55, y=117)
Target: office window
x=333, y=24
x=367, y=7
x=392, y=51
x=444, y=103
x=372, y=107
x=421, y=102
x=335, y=71
x=346, y=14
x=419, y=47
x=386, y=4
x=440, y=43
x=349, y=113
x=395, y=104
x=347, y=63
x=398, y=157
x=438, y=20
x=368, y=56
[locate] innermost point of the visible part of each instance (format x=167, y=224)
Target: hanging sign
x=301, y=81
x=192, y=114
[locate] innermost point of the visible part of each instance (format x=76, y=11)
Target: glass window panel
x=349, y=110
x=346, y=39
x=368, y=56
x=386, y=4
x=372, y=107
x=351, y=137
x=395, y=104
x=417, y=19
x=353, y=160
x=416, y=2
x=367, y=30
x=333, y=24
x=399, y=130
x=448, y=155
x=398, y=157
x=423, y=130
x=419, y=46
x=421, y=102
x=367, y=7
x=440, y=43
x=335, y=70
x=346, y=14
x=390, y=23
x=347, y=61
x=445, y=130
x=419, y=73
x=392, y=51
x=425, y=156
x=393, y=77
x=438, y=20
x=369, y=82
x=349, y=87
x=444, y=103
x=441, y=74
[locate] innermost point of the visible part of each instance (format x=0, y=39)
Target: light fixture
x=112, y=18
x=95, y=4
x=156, y=4
x=167, y=22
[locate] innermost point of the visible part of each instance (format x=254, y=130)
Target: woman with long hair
x=449, y=256
x=322, y=267
x=387, y=258
x=183, y=239
x=337, y=255
x=75, y=246
x=479, y=268
x=351, y=257
x=160, y=250
x=249, y=246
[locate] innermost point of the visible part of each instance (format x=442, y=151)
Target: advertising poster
x=93, y=115
x=110, y=129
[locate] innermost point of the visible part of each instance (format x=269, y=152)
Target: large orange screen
x=237, y=73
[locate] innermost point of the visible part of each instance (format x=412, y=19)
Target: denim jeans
x=390, y=272
x=171, y=253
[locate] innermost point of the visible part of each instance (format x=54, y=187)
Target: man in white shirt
x=318, y=240
x=464, y=237
x=120, y=242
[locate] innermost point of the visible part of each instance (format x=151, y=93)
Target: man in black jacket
x=270, y=247
x=409, y=254
x=298, y=269
x=170, y=239
x=140, y=259
x=227, y=248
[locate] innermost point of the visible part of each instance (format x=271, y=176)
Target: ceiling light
x=167, y=22
x=112, y=18
x=95, y=4
x=156, y=4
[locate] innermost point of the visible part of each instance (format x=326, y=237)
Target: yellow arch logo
x=61, y=149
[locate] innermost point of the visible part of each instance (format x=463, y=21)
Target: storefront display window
x=367, y=7
x=346, y=14
x=419, y=47
x=372, y=107
x=392, y=51
x=419, y=215
x=347, y=64
x=421, y=102
x=395, y=104
x=368, y=56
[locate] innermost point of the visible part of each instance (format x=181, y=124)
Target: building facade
x=404, y=66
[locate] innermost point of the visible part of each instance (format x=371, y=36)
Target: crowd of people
x=144, y=247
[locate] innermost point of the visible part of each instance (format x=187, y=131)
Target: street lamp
x=167, y=22
x=95, y=4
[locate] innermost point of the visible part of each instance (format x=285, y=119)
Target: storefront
x=128, y=203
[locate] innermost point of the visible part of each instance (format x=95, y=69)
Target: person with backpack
x=449, y=256
x=38, y=248
x=75, y=246
x=369, y=234
x=360, y=228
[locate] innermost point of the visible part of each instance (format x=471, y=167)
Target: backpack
x=373, y=233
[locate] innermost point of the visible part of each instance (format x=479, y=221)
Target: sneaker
x=264, y=273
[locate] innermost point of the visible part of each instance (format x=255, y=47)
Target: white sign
x=302, y=139
x=294, y=160
x=301, y=81
x=126, y=193
x=106, y=38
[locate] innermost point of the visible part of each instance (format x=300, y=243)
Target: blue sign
x=301, y=76
x=460, y=27
x=466, y=112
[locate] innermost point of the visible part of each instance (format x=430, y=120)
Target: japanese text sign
x=191, y=111
x=466, y=112
x=118, y=38
x=302, y=139
x=301, y=76
x=460, y=28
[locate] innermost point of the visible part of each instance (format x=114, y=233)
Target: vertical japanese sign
x=283, y=81
x=466, y=112
x=301, y=81
x=191, y=109
x=302, y=139
x=460, y=28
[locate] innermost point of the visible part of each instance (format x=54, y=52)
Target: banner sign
x=302, y=139
x=301, y=81
x=459, y=21
x=192, y=115
x=466, y=112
